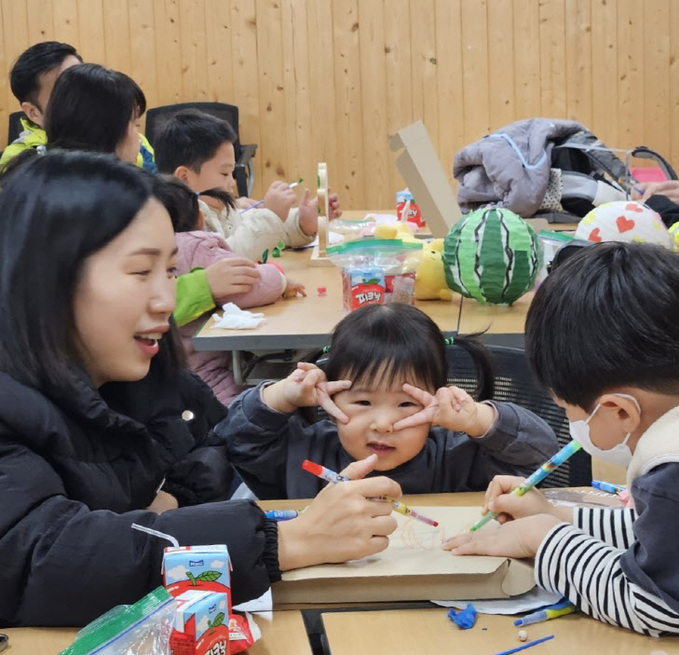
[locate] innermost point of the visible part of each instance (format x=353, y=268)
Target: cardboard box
x=413, y=567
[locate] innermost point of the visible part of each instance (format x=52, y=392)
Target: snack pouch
x=373, y=270
x=140, y=629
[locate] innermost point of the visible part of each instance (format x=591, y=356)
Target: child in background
x=244, y=285
x=198, y=148
x=384, y=384
x=32, y=79
x=602, y=334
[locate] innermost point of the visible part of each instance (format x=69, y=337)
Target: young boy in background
x=32, y=78
x=602, y=334
x=198, y=149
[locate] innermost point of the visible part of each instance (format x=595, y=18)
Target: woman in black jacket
x=96, y=415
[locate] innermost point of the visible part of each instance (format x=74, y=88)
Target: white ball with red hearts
x=624, y=220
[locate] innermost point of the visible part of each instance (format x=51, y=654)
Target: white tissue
x=235, y=318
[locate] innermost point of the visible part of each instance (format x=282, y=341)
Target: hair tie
x=325, y=349
x=41, y=150
x=449, y=341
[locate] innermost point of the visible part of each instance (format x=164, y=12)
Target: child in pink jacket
x=246, y=285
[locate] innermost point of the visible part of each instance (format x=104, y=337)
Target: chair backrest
x=156, y=117
x=514, y=382
x=15, y=127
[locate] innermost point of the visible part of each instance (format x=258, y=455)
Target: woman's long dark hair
x=54, y=212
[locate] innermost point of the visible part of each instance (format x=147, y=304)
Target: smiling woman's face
x=124, y=298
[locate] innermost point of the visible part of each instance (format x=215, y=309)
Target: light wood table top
x=283, y=634
x=431, y=632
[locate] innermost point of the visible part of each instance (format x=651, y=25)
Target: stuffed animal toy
x=430, y=279
x=398, y=230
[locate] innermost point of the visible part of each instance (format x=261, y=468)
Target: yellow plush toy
x=430, y=280
x=397, y=230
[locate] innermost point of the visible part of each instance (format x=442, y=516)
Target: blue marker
x=551, y=612
x=607, y=486
x=282, y=514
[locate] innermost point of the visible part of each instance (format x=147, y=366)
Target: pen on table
x=538, y=476
x=292, y=185
x=529, y=644
x=326, y=474
x=547, y=613
x=609, y=487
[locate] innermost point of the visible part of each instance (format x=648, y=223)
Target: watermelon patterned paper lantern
x=624, y=220
x=492, y=255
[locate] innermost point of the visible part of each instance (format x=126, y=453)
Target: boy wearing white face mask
x=602, y=334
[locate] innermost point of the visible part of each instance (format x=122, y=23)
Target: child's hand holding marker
x=451, y=408
x=306, y=386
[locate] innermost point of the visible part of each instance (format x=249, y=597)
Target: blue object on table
x=607, y=486
x=546, y=613
x=529, y=644
x=463, y=619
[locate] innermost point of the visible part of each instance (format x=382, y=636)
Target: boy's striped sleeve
x=612, y=526
x=588, y=572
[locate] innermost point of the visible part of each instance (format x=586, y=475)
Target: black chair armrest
x=244, y=173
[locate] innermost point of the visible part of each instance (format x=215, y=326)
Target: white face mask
x=619, y=454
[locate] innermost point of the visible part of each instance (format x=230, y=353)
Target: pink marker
x=330, y=476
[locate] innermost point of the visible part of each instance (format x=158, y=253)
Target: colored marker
x=330, y=476
x=535, y=478
x=607, y=486
x=529, y=644
x=551, y=612
x=292, y=185
x=282, y=514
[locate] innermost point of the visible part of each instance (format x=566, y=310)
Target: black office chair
x=244, y=172
x=15, y=127
x=514, y=382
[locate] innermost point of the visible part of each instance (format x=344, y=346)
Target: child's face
x=372, y=412
x=215, y=173
x=124, y=298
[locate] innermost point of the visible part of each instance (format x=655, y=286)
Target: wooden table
x=431, y=632
x=284, y=634
x=306, y=323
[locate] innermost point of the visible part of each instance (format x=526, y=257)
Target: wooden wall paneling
x=91, y=41
x=66, y=21
x=14, y=29
x=169, y=65
x=40, y=22
x=348, y=173
x=193, y=50
x=376, y=153
x=578, y=78
x=326, y=137
x=672, y=146
x=527, y=63
x=142, y=48
x=630, y=74
x=219, y=52
x=8, y=102
x=475, y=69
x=399, y=85
x=246, y=85
x=450, y=94
x=605, y=72
x=117, y=22
x=301, y=158
x=501, y=62
x=553, y=58
x=656, y=83
x=272, y=116
x=424, y=65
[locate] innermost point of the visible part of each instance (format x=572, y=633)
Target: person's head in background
x=379, y=348
x=86, y=272
x=602, y=335
x=34, y=73
x=95, y=108
x=198, y=149
x=181, y=202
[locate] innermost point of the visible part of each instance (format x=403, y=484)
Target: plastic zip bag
x=140, y=629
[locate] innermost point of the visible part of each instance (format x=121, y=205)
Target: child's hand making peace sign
x=451, y=408
x=305, y=387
